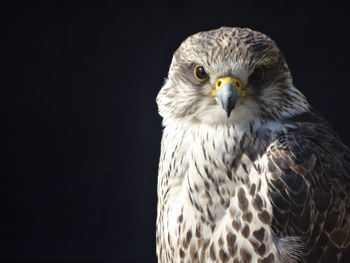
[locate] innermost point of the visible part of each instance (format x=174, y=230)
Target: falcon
x=249, y=171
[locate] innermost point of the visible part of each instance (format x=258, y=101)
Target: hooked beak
x=227, y=92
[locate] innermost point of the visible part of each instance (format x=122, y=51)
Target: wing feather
x=309, y=186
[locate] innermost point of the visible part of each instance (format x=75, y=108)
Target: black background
x=80, y=129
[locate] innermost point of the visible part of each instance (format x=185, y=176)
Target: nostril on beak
x=219, y=83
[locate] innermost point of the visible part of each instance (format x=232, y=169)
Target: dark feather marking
x=223, y=256
x=212, y=252
x=243, y=201
x=259, y=234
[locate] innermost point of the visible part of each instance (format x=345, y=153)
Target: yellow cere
x=236, y=82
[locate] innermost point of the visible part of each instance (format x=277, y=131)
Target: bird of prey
x=249, y=171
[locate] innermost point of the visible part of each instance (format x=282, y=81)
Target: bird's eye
x=258, y=75
x=200, y=74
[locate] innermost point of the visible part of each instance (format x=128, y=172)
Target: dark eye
x=200, y=73
x=258, y=75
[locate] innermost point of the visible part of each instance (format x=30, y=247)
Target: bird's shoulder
x=310, y=145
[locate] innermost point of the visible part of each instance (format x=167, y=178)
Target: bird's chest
x=212, y=174
x=199, y=174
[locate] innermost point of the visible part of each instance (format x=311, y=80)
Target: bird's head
x=229, y=75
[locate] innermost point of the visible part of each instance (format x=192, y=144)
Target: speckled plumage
x=269, y=183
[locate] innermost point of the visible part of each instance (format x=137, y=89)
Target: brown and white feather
x=268, y=184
